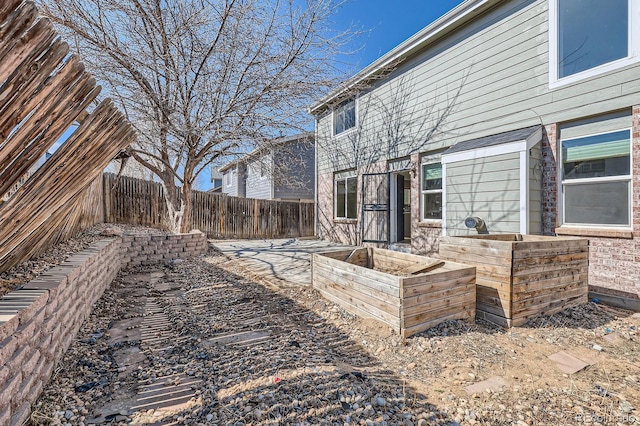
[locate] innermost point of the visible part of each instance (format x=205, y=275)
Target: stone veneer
x=39, y=321
x=614, y=260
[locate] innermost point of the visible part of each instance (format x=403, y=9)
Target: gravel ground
x=223, y=346
x=26, y=271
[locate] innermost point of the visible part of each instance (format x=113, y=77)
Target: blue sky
x=388, y=23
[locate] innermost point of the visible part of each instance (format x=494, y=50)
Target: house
x=216, y=180
x=280, y=169
x=522, y=115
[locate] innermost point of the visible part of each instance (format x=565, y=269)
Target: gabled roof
x=498, y=139
x=422, y=40
x=266, y=146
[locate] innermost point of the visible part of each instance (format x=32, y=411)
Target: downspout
x=315, y=166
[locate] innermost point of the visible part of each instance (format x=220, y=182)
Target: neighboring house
x=233, y=179
x=525, y=113
x=216, y=180
x=280, y=169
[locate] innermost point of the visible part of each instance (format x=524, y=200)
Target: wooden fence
x=140, y=202
x=44, y=91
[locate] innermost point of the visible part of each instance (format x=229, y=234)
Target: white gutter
x=410, y=46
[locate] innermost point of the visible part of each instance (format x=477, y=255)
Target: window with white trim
x=344, y=116
x=345, y=196
x=431, y=191
x=596, y=179
x=588, y=37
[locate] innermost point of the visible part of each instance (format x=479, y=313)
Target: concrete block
x=5, y=415
x=9, y=388
x=8, y=325
x=14, y=365
x=21, y=414
x=29, y=365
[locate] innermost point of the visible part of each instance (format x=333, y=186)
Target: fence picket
x=137, y=202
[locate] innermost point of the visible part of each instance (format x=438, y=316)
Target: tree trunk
x=187, y=208
x=174, y=200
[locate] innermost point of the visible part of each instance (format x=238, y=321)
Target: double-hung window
x=345, y=196
x=596, y=179
x=431, y=191
x=588, y=37
x=344, y=116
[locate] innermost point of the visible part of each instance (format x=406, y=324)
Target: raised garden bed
x=520, y=277
x=409, y=293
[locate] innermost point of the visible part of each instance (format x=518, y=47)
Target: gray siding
x=241, y=181
x=600, y=124
x=237, y=186
x=488, y=77
x=230, y=182
x=535, y=190
x=258, y=181
x=485, y=187
x=295, y=175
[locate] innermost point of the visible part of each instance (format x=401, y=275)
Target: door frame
x=378, y=207
x=393, y=201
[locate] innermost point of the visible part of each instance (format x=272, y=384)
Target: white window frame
x=633, y=55
x=335, y=196
x=424, y=192
x=355, y=121
x=622, y=178
x=229, y=180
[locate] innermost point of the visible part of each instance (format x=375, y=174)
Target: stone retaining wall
x=39, y=321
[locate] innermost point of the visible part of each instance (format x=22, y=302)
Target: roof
x=268, y=145
x=498, y=139
x=215, y=173
x=415, y=44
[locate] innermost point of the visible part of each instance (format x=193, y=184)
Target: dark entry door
x=399, y=206
x=375, y=208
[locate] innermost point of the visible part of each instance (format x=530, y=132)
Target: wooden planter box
x=522, y=276
x=388, y=286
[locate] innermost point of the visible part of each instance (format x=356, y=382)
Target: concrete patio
x=285, y=259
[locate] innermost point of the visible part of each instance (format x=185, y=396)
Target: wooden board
x=520, y=276
x=408, y=304
x=420, y=268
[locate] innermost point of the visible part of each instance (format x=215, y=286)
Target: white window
x=345, y=196
x=344, y=116
x=229, y=177
x=589, y=37
x=431, y=191
x=596, y=179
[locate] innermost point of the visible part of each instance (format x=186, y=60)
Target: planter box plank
x=408, y=303
x=522, y=276
x=359, y=311
x=449, y=309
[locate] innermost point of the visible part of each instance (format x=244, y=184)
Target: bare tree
x=200, y=79
x=390, y=125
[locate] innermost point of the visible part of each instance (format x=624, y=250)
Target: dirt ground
x=207, y=341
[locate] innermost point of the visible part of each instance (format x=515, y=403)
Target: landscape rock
x=249, y=351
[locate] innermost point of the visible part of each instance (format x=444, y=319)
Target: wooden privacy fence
x=140, y=202
x=43, y=92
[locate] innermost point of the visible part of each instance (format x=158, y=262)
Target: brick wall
x=549, y=180
x=614, y=262
x=39, y=321
x=344, y=231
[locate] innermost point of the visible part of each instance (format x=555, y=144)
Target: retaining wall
x=39, y=321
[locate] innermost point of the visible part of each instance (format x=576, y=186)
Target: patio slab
x=285, y=259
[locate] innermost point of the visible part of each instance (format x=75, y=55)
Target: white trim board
x=490, y=151
x=522, y=147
